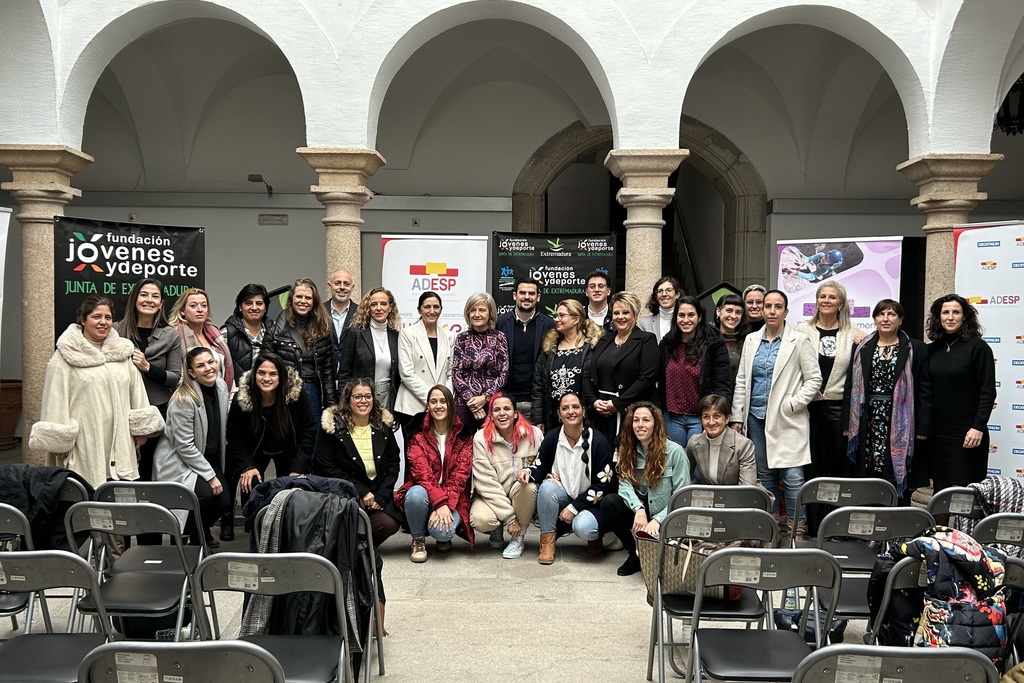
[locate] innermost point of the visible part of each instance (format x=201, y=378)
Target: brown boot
x=547, y=548
x=386, y=634
x=783, y=521
x=801, y=530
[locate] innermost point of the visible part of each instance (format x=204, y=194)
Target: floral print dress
x=879, y=408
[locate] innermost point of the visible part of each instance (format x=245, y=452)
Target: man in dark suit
x=524, y=327
x=341, y=308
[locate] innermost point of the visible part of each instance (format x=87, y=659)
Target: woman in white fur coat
x=95, y=412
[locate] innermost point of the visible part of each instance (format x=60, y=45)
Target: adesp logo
x=1019, y=428
x=437, y=277
x=988, y=243
x=1020, y=339
x=988, y=265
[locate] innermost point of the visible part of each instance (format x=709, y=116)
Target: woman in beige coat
x=778, y=378
x=505, y=444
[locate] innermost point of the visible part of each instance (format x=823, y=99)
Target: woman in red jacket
x=435, y=495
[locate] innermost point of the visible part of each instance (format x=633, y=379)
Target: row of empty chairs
x=160, y=580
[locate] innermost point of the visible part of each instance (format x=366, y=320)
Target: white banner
x=5, y=220
x=454, y=267
x=990, y=275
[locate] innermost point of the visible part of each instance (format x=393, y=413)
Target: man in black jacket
x=524, y=327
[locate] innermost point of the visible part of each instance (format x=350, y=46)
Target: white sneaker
x=419, y=550
x=515, y=547
x=496, y=539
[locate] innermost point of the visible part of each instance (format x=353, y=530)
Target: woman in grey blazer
x=719, y=455
x=192, y=448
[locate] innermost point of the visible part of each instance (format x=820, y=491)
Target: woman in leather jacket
x=270, y=420
x=248, y=330
x=302, y=337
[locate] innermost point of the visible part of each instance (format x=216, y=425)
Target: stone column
x=948, y=186
x=41, y=186
x=645, y=193
x=342, y=190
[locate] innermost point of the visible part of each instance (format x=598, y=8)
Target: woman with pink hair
x=506, y=444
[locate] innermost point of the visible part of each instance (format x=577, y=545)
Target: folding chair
x=16, y=533
x=374, y=625
x=1013, y=579
x=308, y=658
x=135, y=593
x=167, y=494
x=904, y=664
x=907, y=574
x=52, y=657
x=764, y=654
x=709, y=524
x=961, y=501
x=837, y=492
x=866, y=525
x=718, y=496
x=1003, y=528
x=212, y=660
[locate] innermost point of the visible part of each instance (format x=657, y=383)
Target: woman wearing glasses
x=573, y=471
x=753, y=303
x=358, y=444
x=564, y=362
x=662, y=306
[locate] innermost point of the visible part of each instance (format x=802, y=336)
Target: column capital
x=644, y=167
x=43, y=164
x=948, y=185
x=342, y=166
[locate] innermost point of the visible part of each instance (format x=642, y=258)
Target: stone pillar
x=948, y=185
x=41, y=186
x=342, y=190
x=645, y=193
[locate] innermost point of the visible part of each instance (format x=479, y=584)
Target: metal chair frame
x=211, y=660
x=719, y=496
x=961, y=501
x=905, y=664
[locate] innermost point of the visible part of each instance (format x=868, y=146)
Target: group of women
x=659, y=393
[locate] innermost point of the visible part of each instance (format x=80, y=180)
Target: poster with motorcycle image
x=869, y=269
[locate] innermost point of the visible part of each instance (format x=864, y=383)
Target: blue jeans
x=417, y=511
x=551, y=499
x=792, y=477
x=312, y=391
x=681, y=427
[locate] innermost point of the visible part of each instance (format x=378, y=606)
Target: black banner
x=560, y=263
x=104, y=257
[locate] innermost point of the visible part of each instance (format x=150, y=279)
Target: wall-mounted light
x=258, y=178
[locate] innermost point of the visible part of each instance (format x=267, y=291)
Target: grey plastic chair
x=718, y=496
x=49, y=656
x=135, y=593
x=768, y=654
x=1003, y=528
x=838, y=492
x=213, y=660
x=904, y=664
x=907, y=574
x=312, y=658
x=961, y=501
x=16, y=530
x=867, y=525
x=710, y=524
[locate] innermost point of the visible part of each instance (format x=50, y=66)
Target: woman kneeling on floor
x=651, y=468
x=506, y=443
x=435, y=495
x=574, y=471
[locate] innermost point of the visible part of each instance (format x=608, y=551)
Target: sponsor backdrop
x=869, y=269
x=104, y=257
x=454, y=267
x=990, y=274
x=559, y=262
x=5, y=220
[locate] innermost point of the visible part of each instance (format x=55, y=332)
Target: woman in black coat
x=357, y=443
x=248, y=329
x=270, y=420
x=889, y=403
x=624, y=367
x=963, y=373
x=302, y=337
x=370, y=348
x=694, y=364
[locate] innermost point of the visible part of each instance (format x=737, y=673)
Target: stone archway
x=743, y=192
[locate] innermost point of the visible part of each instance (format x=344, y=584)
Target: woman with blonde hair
x=651, y=468
x=191, y=315
x=624, y=367
x=370, y=348
x=479, y=360
x=506, y=443
x=564, y=362
x=302, y=337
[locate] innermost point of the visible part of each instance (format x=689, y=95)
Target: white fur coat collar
x=244, y=398
x=78, y=352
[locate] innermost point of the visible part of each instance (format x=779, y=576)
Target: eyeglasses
x=560, y=316
x=362, y=398
x=669, y=290
x=597, y=285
